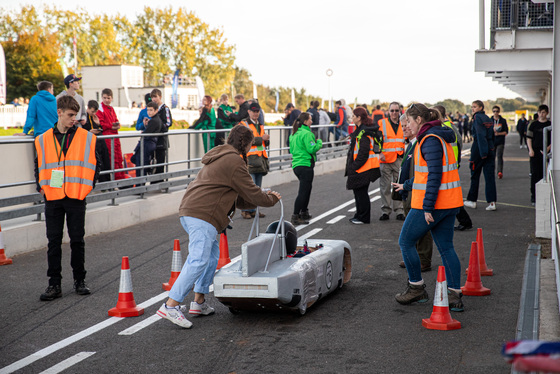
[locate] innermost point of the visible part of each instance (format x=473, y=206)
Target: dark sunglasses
x=393, y=111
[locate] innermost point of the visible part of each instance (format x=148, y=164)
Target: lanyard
x=59, y=154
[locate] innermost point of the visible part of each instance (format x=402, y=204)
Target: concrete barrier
x=31, y=236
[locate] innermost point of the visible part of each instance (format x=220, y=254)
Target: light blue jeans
x=204, y=252
x=415, y=227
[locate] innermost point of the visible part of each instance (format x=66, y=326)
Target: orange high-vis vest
x=377, y=112
x=450, y=194
x=78, y=164
x=255, y=150
x=373, y=159
x=393, y=144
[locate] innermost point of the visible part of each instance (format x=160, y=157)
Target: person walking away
x=482, y=157
x=535, y=139
x=72, y=84
x=393, y=149
x=362, y=163
x=164, y=114
x=425, y=245
x=341, y=121
x=500, y=132
x=152, y=125
x=436, y=197
x=324, y=120
x=94, y=126
x=41, y=112
x=257, y=158
x=207, y=121
x=377, y=115
x=521, y=128
x=110, y=124
x=313, y=109
x=303, y=147
x=209, y=203
x=66, y=169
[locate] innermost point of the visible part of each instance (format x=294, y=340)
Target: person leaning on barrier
x=66, y=169
x=152, y=125
x=222, y=185
x=303, y=148
x=324, y=120
x=362, y=163
x=164, y=114
x=143, y=113
x=243, y=111
x=436, y=197
x=41, y=112
x=94, y=126
x=207, y=121
x=223, y=121
x=111, y=125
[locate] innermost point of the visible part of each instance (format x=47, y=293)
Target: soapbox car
x=277, y=271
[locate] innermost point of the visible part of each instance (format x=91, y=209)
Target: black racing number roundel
x=329, y=275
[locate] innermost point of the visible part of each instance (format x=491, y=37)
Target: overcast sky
x=403, y=50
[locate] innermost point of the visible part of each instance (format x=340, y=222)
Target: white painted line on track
x=328, y=213
x=139, y=326
x=335, y=220
x=352, y=210
x=57, y=346
x=309, y=234
x=61, y=366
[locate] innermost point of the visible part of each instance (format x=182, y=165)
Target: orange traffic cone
x=441, y=318
x=484, y=271
x=126, y=307
x=176, y=264
x=224, y=251
x=3, y=259
x=473, y=286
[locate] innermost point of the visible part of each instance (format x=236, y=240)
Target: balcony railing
x=521, y=14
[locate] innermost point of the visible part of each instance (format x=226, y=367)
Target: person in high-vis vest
x=257, y=158
x=424, y=245
x=362, y=163
x=463, y=217
x=393, y=150
x=436, y=198
x=66, y=169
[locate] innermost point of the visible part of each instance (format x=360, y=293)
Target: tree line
x=38, y=42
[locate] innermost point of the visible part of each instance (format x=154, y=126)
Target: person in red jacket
x=110, y=124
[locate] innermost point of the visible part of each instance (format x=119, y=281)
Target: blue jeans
x=341, y=131
x=257, y=178
x=204, y=252
x=415, y=227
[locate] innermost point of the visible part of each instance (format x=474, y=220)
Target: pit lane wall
x=100, y=217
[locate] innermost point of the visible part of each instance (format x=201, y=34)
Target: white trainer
x=470, y=204
x=201, y=309
x=492, y=206
x=174, y=315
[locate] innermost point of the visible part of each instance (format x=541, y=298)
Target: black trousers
x=75, y=213
x=160, y=159
x=363, y=205
x=463, y=217
x=305, y=176
x=537, y=173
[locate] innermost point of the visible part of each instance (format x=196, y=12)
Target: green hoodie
x=303, y=147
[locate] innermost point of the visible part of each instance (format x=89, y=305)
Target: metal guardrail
x=136, y=186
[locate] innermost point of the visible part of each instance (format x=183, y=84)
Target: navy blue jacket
x=432, y=151
x=483, y=135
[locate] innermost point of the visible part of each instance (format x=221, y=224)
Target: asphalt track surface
x=358, y=329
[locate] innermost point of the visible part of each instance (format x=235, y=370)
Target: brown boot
x=297, y=220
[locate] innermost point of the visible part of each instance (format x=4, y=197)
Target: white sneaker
x=174, y=315
x=520, y=147
x=470, y=204
x=492, y=206
x=201, y=309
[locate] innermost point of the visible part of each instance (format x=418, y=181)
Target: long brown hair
x=300, y=121
x=208, y=102
x=239, y=138
x=427, y=114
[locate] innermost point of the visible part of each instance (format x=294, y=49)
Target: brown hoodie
x=221, y=184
